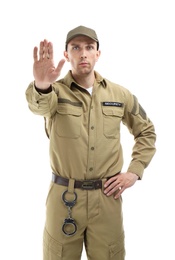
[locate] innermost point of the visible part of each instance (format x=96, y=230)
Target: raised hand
x=44, y=70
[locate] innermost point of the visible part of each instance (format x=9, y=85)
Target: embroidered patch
x=112, y=104
x=142, y=112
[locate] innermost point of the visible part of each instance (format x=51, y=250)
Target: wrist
x=41, y=85
x=43, y=90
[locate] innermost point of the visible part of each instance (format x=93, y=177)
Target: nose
x=83, y=54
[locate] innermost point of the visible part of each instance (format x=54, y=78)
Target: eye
x=75, y=47
x=90, y=47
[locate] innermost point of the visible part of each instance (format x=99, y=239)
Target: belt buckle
x=88, y=185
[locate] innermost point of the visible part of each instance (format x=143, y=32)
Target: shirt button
x=92, y=148
x=90, y=169
x=92, y=127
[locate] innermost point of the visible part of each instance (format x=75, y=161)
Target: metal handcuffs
x=69, y=220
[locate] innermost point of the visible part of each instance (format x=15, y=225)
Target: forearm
x=143, y=151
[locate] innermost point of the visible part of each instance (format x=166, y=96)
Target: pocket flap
x=113, y=111
x=69, y=110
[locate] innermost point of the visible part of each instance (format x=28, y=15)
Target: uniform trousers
x=99, y=221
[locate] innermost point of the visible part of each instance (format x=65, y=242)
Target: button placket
x=91, y=139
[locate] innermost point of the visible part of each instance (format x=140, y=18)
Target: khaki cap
x=82, y=30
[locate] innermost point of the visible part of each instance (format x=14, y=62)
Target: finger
x=118, y=194
x=50, y=50
x=111, y=180
x=60, y=65
x=46, y=49
x=41, y=50
x=112, y=189
x=35, y=55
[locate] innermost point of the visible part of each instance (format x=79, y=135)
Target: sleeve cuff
x=137, y=168
x=43, y=91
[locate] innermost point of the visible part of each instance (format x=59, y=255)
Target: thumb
x=60, y=65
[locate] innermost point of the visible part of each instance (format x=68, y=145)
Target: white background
x=138, y=51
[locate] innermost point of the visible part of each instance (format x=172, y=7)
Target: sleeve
x=44, y=104
x=143, y=130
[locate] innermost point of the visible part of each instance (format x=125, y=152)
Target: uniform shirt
x=84, y=129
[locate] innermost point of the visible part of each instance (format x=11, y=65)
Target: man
x=82, y=113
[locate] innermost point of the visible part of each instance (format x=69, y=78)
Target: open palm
x=44, y=70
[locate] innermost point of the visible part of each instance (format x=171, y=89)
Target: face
x=82, y=53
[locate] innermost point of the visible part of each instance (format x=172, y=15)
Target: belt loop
x=71, y=185
x=103, y=182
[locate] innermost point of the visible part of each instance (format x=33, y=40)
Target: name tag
x=112, y=104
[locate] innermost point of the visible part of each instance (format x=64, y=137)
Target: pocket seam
x=117, y=247
x=51, y=244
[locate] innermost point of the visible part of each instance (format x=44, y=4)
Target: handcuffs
x=69, y=221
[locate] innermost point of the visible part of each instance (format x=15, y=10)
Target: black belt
x=84, y=184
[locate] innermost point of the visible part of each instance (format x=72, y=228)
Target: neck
x=85, y=80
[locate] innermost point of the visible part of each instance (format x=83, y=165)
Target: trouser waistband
x=84, y=184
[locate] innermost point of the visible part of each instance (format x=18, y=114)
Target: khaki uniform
x=84, y=132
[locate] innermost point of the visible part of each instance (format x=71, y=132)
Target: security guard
x=83, y=112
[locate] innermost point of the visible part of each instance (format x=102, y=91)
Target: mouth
x=83, y=63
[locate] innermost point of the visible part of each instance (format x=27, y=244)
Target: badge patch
x=112, y=104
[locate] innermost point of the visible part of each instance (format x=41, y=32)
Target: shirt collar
x=69, y=81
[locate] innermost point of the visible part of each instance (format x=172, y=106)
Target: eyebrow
x=88, y=43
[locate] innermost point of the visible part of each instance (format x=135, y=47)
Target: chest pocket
x=68, y=120
x=112, y=117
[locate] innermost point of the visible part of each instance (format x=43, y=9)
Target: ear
x=98, y=55
x=66, y=55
